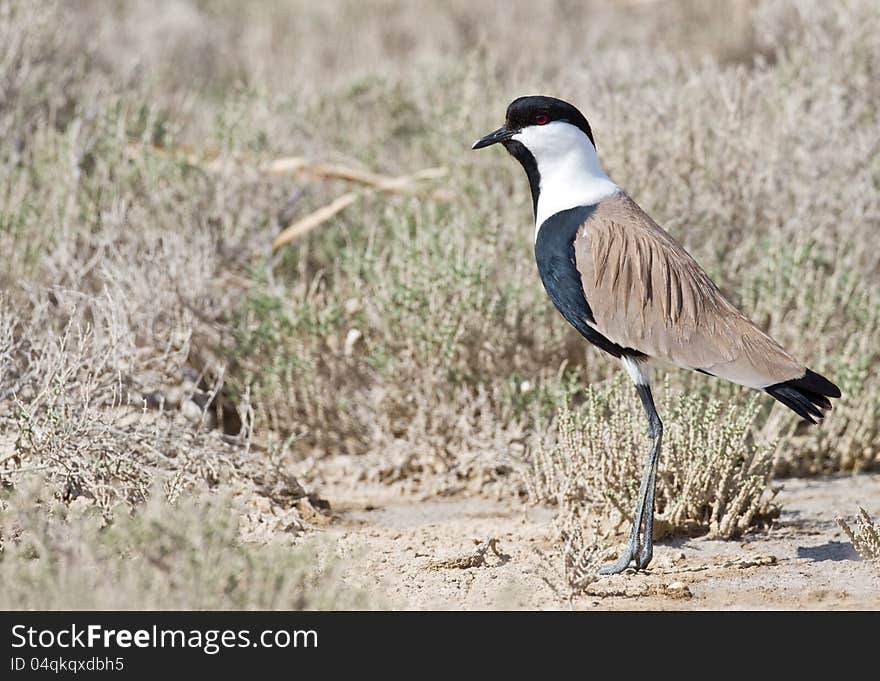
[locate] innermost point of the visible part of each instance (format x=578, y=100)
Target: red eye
x=541, y=119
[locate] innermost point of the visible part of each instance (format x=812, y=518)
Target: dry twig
x=475, y=560
x=302, y=227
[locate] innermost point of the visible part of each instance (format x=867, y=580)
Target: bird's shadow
x=832, y=550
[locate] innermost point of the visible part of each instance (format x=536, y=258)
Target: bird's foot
x=645, y=555
x=630, y=553
x=633, y=556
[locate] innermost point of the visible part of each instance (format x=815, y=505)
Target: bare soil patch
x=434, y=552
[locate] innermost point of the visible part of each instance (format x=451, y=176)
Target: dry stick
x=379, y=182
x=308, y=223
x=383, y=183
x=299, y=165
x=302, y=166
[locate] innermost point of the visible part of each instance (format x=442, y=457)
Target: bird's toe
x=622, y=563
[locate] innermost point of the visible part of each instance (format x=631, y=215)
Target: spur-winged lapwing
x=632, y=290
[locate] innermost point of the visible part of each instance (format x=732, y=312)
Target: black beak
x=494, y=137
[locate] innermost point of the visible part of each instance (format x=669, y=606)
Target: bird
x=633, y=291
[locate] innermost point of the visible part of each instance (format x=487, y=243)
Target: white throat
x=569, y=168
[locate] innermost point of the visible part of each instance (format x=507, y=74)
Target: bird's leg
x=655, y=432
x=635, y=550
x=632, y=550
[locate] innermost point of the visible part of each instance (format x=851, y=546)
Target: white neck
x=569, y=168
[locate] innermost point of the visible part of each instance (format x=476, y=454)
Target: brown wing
x=647, y=293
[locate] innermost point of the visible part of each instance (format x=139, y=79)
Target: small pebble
x=173, y=397
x=678, y=590
x=191, y=411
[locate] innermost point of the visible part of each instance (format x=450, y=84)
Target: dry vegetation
x=714, y=479
x=865, y=537
x=185, y=556
x=148, y=335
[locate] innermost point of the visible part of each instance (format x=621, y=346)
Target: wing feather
x=647, y=293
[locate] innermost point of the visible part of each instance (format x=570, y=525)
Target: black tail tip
x=806, y=396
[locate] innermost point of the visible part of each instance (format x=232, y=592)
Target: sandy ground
x=434, y=553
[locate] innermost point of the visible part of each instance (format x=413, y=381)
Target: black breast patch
x=554, y=253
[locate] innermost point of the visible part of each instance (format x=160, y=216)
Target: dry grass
x=146, y=330
x=183, y=556
x=865, y=537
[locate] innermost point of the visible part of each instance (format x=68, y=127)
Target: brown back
x=647, y=293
